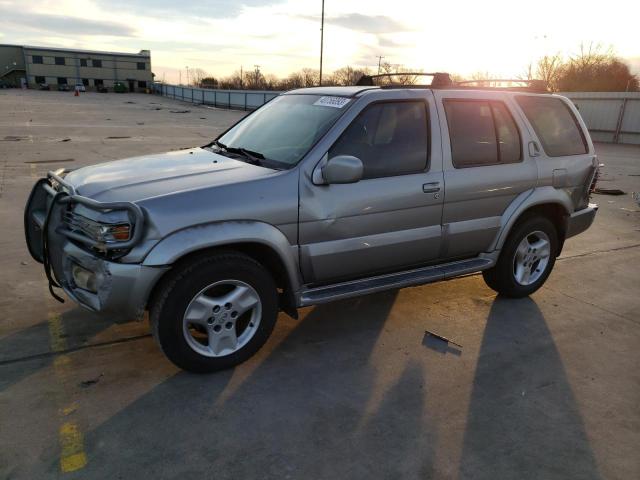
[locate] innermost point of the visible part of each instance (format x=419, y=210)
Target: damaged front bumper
x=75, y=263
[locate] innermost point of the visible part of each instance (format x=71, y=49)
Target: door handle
x=431, y=187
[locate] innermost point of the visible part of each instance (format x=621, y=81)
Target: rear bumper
x=579, y=221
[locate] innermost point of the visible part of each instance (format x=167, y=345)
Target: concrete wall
x=234, y=99
x=612, y=117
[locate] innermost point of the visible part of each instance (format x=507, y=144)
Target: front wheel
x=214, y=312
x=526, y=260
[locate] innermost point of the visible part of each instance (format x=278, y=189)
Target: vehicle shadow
x=298, y=413
x=31, y=349
x=523, y=419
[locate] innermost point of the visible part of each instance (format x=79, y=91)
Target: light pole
x=321, y=40
x=380, y=57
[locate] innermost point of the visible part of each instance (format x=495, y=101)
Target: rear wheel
x=214, y=312
x=526, y=260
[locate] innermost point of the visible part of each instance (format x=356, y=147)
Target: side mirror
x=342, y=169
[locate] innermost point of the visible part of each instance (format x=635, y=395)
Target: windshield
x=286, y=128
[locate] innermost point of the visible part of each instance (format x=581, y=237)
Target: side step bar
x=363, y=286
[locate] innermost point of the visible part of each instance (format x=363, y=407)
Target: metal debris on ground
x=609, y=191
x=441, y=344
x=93, y=381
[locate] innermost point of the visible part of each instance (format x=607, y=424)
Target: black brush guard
x=44, y=209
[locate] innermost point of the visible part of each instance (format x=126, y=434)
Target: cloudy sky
x=219, y=36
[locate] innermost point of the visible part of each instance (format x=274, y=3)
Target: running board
x=363, y=286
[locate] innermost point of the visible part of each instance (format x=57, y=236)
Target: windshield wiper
x=253, y=157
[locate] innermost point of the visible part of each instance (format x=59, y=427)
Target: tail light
x=594, y=179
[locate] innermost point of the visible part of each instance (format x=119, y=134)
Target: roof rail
x=439, y=80
x=537, y=86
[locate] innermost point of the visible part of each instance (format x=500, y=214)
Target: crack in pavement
x=73, y=349
x=591, y=304
x=596, y=252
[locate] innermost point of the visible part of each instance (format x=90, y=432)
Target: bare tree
x=348, y=75
x=196, y=75
x=310, y=77
x=596, y=69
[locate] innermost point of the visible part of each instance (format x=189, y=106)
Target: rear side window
x=482, y=133
x=391, y=138
x=555, y=125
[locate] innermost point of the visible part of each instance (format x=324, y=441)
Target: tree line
x=591, y=69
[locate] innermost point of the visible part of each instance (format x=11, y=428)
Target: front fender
x=525, y=201
x=182, y=242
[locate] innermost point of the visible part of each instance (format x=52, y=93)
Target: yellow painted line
x=72, y=457
x=57, y=341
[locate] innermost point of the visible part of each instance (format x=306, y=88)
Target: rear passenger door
x=485, y=167
x=564, y=154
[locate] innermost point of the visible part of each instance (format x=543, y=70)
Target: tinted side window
x=472, y=134
x=390, y=138
x=481, y=133
x=555, y=125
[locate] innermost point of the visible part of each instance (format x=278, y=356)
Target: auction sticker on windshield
x=335, y=102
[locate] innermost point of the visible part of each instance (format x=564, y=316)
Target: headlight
x=109, y=227
x=114, y=233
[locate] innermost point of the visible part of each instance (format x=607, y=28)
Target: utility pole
x=321, y=40
x=380, y=57
x=187, y=67
x=241, y=77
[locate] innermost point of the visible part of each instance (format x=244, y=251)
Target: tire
x=509, y=276
x=204, y=302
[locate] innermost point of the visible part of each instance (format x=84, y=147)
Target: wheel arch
x=547, y=202
x=260, y=241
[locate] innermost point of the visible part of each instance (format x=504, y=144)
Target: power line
x=321, y=40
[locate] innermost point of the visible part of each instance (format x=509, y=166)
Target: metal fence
x=234, y=99
x=612, y=117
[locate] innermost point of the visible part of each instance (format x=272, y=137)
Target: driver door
x=390, y=220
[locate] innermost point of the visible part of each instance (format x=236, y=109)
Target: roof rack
x=439, y=80
x=537, y=86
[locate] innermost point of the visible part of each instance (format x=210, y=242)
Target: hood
x=138, y=178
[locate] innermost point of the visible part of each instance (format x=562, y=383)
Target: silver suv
x=321, y=194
